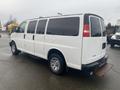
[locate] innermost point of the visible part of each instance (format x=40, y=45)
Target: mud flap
x=103, y=70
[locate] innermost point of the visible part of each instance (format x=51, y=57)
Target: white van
x=77, y=41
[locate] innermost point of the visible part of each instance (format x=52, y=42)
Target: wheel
x=112, y=45
x=14, y=49
x=57, y=64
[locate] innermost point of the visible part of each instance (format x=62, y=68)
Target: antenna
x=60, y=14
x=41, y=17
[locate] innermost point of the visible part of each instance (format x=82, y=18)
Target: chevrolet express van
x=77, y=41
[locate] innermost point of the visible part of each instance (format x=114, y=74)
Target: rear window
x=95, y=27
x=64, y=26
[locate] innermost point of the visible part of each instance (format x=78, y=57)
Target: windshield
x=118, y=30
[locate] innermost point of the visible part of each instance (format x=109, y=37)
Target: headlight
x=113, y=37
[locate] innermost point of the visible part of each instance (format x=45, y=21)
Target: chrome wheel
x=55, y=64
x=13, y=48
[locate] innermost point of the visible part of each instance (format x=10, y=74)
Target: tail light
x=86, y=30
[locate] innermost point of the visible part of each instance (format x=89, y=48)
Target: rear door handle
x=33, y=37
x=104, y=45
x=24, y=36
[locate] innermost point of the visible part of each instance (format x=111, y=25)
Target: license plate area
x=103, y=70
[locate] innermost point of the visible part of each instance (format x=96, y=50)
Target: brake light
x=86, y=30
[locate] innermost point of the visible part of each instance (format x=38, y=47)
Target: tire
x=14, y=49
x=57, y=64
x=112, y=45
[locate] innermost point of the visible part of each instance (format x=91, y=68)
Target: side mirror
x=17, y=29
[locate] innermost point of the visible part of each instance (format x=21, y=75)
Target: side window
x=21, y=28
x=64, y=26
x=31, y=26
x=95, y=27
x=41, y=27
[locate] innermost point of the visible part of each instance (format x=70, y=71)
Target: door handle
x=33, y=37
x=24, y=36
x=104, y=45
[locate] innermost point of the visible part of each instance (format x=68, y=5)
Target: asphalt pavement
x=25, y=72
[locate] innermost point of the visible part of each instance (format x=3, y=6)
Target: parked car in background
x=77, y=41
x=109, y=38
x=115, y=39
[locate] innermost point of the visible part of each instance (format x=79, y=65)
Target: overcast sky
x=26, y=9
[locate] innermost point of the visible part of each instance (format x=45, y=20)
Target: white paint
x=77, y=50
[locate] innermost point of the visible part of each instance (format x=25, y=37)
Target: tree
x=109, y=25
x=11, y=24
x=111, y=29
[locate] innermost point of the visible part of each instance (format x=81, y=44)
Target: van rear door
x=94, y=45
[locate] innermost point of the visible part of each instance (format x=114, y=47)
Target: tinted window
x=41, y=27
x=95, y=27
x=103, y=28
x=31, y=27
x=64, y=26
x=21, y=28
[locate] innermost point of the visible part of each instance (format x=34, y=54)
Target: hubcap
x=13, y=48
x=55, y=64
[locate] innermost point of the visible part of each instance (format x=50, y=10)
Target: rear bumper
x=95, y=65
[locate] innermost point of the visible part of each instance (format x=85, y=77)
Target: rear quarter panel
x=69, y=46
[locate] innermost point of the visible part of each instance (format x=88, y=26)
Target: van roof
x=66, y=15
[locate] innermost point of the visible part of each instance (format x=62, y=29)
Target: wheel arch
x=56, y=51
x=12, y=42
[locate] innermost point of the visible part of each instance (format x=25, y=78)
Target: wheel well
x=56, y=51
x=12, y=42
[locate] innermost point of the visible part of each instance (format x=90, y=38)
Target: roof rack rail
x=60, y=14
